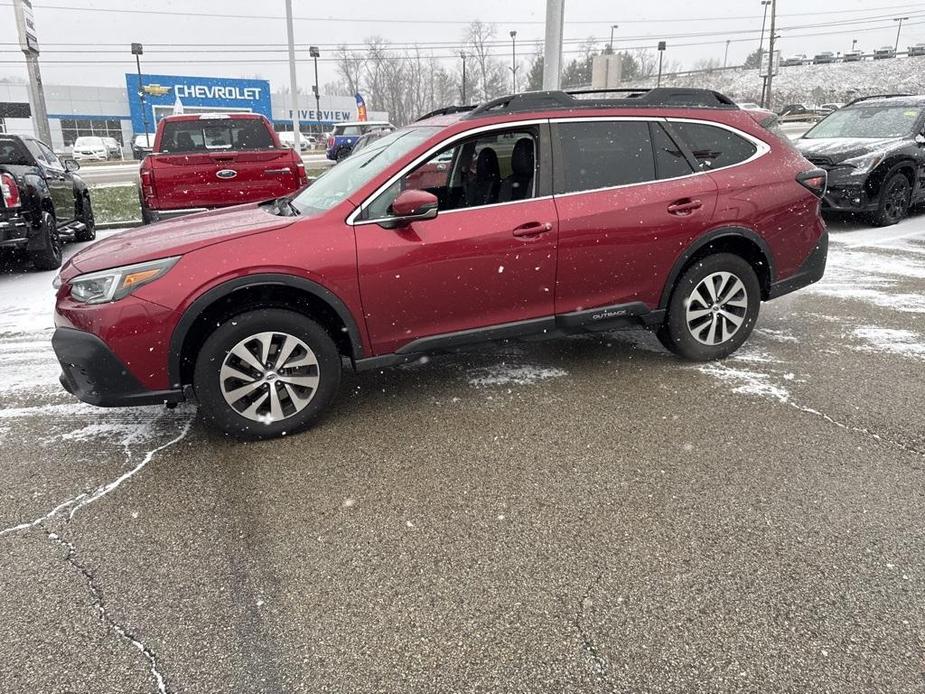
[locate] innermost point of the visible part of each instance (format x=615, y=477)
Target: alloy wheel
x=896, y=202
x=716, y=309
x=269, y=376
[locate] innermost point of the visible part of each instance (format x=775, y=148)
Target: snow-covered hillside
x=816, y=84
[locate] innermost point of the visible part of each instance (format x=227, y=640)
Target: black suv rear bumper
x=91, y=372
x=14, y=229
x=810, y=271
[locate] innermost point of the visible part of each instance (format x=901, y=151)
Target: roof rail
x=446, y=110
x=875, y=96
x=630, y=98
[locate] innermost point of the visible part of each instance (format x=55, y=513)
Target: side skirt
x=618, y=317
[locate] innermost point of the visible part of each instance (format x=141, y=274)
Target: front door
x=60, y=183
x=487, y=259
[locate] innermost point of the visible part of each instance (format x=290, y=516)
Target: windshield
x=356, y=171
x=88, y=142
x=867, y=122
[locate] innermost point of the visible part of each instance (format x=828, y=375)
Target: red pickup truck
x=204, y=161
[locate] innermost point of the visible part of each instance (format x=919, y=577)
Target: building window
x=102, y=127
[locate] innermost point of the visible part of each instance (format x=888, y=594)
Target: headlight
x=112, y=285
x=865, y=162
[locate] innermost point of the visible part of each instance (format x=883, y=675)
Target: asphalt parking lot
x=582, y=515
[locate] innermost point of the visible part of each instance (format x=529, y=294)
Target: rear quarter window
x=714, y=147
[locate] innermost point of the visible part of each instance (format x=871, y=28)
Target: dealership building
x=122, y=112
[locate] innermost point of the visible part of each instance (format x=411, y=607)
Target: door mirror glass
x=71, y=165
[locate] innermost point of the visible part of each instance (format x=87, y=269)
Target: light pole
x=315, y=54
x=513, y=62
x=726, y=54
x=137, y=51
x=293, y=88
x=462, y=54
x=612, y=28
x=853, y=44
x=764, y=21
x=898, y=29
x=661, y=52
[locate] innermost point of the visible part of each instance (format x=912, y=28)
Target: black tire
x=894, y=203
x=49, y=256
x=230, y=335
x=676, y=334
x=85, y=215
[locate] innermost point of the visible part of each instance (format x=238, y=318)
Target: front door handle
x=684, y=207
x=532, y=229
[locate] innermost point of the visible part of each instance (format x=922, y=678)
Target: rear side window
x=602, y=154
x=215, y=134
x=714, y=147
x=670, y=161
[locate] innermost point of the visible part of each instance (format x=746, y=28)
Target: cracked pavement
x=580, y=515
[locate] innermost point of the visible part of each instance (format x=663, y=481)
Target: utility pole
x=726, y=54
x=315, y=54
x=513, y=62
x=137, y=51
x=768, y=92
x=293, y=89
x=898, y=30
x=764, y=21
x=552, y=49
x=462, y=54
x=28, y=42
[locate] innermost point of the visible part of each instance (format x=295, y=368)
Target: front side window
x=491, y=168
x=714, y=147
x=354, y=172
x=603, y=154
x=50, y=157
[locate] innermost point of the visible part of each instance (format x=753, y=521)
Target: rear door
x=628, y=202
x=212, y=162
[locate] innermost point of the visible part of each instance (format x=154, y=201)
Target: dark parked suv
x=874, y=152
x=532, y=214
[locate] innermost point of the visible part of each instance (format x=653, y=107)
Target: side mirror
x=920, y=139
x=412, y=205
x=71, y=165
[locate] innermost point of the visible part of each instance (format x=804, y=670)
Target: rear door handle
x=684, y=207
x=532, y=229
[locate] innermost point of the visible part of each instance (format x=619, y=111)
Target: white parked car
x=113, y=146
x=90, y=148
x=305, y=141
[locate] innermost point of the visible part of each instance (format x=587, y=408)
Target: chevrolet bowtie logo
x=155, y=89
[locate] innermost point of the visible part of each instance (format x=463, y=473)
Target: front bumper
x=848, y=197
x=810, y=271
x=91, y=372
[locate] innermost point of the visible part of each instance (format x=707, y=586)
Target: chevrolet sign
x=227, y=92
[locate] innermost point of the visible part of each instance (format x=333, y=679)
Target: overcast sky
x=806, y=26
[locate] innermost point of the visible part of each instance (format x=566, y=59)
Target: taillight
x=10, y=190
x=330, y=141
x=814, y=181
x=147, y=182
x=300, y=173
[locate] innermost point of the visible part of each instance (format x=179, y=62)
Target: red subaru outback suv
x=669, y=209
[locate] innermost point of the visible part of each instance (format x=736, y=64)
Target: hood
x=174, y=237
x=837, y=149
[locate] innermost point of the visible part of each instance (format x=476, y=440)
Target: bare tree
x=350, y=65
x=490, y=73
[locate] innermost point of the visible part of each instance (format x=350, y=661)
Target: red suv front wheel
x=266, y=373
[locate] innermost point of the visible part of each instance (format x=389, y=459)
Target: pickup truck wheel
x=85, y=215
x=266, y=373
x=895, y=199
x=49, y=256
x=712, y=309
